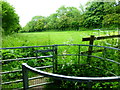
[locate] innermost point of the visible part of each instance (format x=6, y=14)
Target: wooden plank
x=86, y=39
x=99, y=38
x=105, y=37
x=94, y=51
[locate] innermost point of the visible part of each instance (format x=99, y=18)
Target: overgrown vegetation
x=69, y=66
x=82, y=71
x=69, y=37
x=17, y=65
x=67, y=26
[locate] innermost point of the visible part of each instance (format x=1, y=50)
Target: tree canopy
x=95, y=15
x=10, y=20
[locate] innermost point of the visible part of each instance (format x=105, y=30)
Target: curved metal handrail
x=72, y=78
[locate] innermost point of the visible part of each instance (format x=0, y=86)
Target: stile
x=90, y=47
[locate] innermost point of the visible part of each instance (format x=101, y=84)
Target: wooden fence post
x=25, y=77
x=92, y=37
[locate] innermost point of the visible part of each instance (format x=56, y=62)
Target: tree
x=111, y=20
x=37, y=23
x=40, y=25
x=29, y=26
x=52, y=21
x=10, y=20
x=68, y=17
x=95, y=15
x=95, y=12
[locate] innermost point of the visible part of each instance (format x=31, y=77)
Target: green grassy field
x=49, y=38
x=55, y=37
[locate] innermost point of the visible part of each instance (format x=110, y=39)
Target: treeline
x=95, y=15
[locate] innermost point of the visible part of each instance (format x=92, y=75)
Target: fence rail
x=91, y=40
x=63, y=77
x=73, y=78
x=99, y=38
x=4, y=62
x=28, y=58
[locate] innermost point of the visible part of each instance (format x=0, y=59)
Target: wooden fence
x=91, y=40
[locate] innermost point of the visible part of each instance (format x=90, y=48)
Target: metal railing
x=4, y=61
x=80, y=53
x=26, y=67
x=59, y=54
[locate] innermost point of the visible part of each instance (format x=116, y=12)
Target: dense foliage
x=95, y=15
x=10, y=20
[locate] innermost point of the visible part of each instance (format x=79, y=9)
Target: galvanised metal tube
x=72, y=78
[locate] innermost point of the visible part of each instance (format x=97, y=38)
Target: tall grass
x=53, y=37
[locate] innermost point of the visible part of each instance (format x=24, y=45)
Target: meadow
x=52, y=37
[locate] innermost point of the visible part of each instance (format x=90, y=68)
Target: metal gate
x=99, y=53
